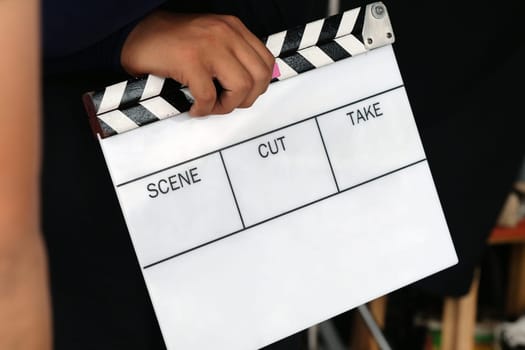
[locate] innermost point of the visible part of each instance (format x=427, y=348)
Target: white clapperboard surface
x=253, y=226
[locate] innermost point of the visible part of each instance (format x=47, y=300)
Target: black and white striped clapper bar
x=256, y=225
x=130, y=104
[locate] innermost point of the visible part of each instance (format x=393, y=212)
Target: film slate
x=253, y=226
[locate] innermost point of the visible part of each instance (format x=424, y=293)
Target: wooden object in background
x=459, y=319
x=516, y=287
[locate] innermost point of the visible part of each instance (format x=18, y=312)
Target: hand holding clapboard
x=296, y=51
x=315, y=200
x=194, y=50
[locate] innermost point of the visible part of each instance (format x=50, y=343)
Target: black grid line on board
x=255, y=137
x=284, y=213
x=327, y=156
x=231, y=188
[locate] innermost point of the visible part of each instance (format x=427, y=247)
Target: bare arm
x=24, y=295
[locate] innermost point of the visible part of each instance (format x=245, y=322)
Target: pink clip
x=276, y=72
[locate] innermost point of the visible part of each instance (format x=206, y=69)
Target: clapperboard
x=253, y=226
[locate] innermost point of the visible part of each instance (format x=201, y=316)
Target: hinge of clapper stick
x=130, y=104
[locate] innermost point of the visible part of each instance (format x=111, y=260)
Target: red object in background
x=501, y=235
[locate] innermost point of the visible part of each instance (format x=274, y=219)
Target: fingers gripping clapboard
x=253, y=226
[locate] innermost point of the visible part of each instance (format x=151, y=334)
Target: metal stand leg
x=373, y=327
x=329, y=335
x=330, y=340
x=333, y=7
x=313, y=338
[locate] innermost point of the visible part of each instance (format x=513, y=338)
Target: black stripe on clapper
x=96, y=98
x=359, y=23
x=174, y=96
x=292, y=40
x=106, y=129
x=334, y=51
x=330, y=28
x=132, y=93
x=264, y=40
x=298, y=63
x=140, y=115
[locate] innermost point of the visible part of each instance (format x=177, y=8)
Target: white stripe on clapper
x=118, y=121
x=153, y=87
x=351, y=44
x=316, y=56
x=275, y=43
x=160, y=108
x=112, y=97
x=311, y=34
x=348, y=22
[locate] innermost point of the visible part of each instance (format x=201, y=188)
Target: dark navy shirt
x=83, y=35
x=87, y=36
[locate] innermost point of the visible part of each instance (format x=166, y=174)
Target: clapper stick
x=130, y=104
x=280, y=44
